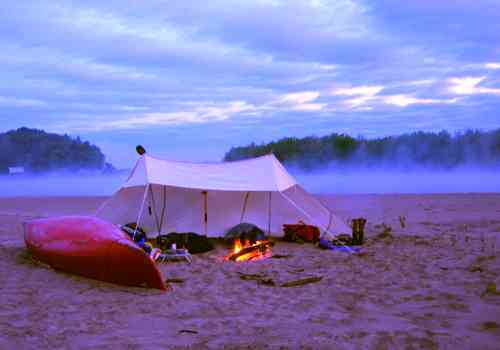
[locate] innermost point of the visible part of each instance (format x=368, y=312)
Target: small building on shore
x=16, y=170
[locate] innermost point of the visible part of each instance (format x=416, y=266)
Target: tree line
x=38, y=151
x=426, y=149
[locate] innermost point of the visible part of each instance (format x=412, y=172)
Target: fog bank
x=420, y=181
x=331, y=181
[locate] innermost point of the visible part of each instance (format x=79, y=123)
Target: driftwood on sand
x=302, y=281
x=261, y=279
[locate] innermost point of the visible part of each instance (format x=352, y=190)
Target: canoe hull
x=92, y=248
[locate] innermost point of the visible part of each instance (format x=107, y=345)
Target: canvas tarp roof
x=210, y=198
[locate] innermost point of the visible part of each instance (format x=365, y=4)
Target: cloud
x=197, y=115
x=299, y=97
x=116, y=66
x=492, y=65
x=21, y=102
x=363, y=94
x=469, y=86
x=405, y=100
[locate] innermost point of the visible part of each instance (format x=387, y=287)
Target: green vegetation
x=38, y=151
x=436, y=150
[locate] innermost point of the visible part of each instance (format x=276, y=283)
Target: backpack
x=193, y=242
x=301, y=232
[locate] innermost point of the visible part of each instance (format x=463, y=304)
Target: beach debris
x=174, y=280
x=489, y=325
x=246, y=251
x=491, y=288
x=281, y=256
x=475, y=268
x=297, y=270
x=250, y=276
x=187, y=331
x=402, y=221
x=303, y=281
x=386, y=231
x=260, y=278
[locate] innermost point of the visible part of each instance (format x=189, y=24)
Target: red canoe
x=93, y=248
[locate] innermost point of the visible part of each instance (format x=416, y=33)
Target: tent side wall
x=175, y=209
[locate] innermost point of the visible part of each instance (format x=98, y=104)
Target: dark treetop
x=39, y=151
x=427, y=149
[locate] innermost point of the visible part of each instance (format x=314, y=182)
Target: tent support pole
x=205, y=209
x=139, y=216
x=164, y=208
x=157, y=221
x=306, y=214
x=244, y=208
x=269, y=215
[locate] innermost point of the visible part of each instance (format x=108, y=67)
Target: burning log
x=254, y=251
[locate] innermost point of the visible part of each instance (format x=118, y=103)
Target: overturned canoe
x=93, y=248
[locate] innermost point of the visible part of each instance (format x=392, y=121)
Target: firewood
x=257, y=247
x=302, y=281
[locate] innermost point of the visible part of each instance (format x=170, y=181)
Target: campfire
x=248, y=251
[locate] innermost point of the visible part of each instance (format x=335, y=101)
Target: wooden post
x=205, y=209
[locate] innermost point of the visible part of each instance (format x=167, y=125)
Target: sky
x=190, y=79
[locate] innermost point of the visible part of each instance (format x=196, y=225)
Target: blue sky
x=190, y=79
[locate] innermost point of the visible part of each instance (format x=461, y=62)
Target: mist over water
x=341, y=181
x=417, y=181
x=61, y=185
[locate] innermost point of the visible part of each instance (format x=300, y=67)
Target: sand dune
x=424, y=287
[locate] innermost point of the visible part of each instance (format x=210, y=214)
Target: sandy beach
x=428, y=285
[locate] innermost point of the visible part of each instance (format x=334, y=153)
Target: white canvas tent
x=210, y=198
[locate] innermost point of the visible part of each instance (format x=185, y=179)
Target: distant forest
x=425, y=149
x=38, y=151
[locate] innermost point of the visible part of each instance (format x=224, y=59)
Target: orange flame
x=253, y=255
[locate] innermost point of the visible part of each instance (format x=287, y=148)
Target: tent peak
x=148, y=155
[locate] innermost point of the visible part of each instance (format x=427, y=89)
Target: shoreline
x=425, y=286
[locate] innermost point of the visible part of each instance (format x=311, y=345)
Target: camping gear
x=358, y=231
x=210, y=198
x=326, y=244
x=343, y=239
x=245, y=232
x=301, y=232
x=193, y=242
x=93, y=248
x=136, y=233
x=175, y=255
